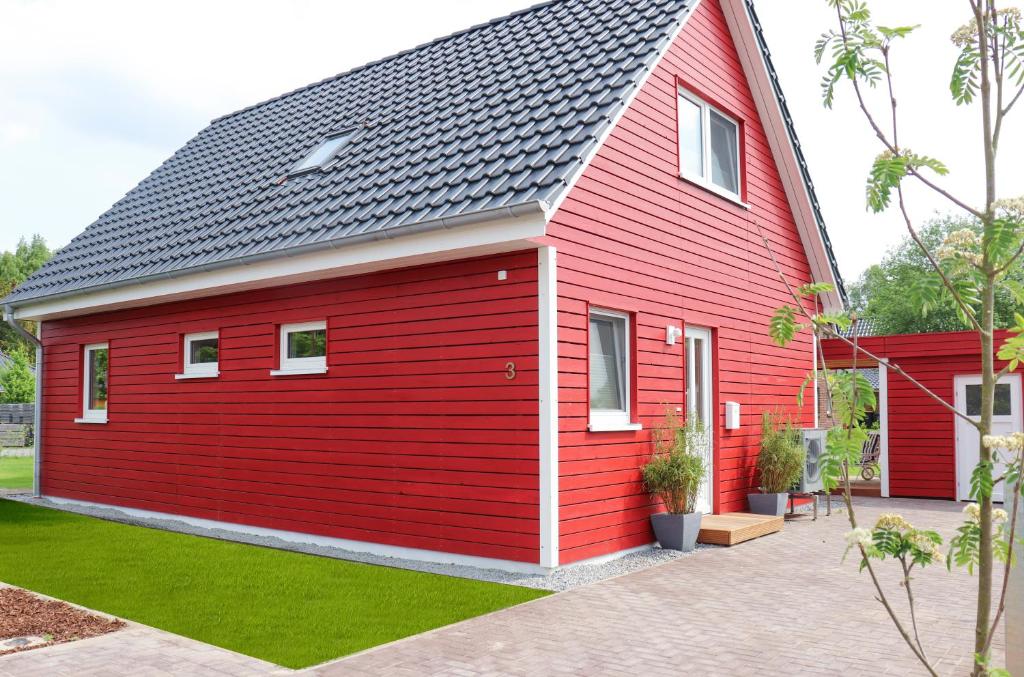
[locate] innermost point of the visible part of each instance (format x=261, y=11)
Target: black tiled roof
x=499, y=115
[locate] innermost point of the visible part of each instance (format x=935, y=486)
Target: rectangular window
x=1000, y=406
x=609, y=371
x=709, y=146
x=95, y=372
x=303, y=349
x=201, y=355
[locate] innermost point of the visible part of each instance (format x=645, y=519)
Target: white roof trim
x=756, y=70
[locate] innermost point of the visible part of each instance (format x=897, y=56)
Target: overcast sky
x=94, y=95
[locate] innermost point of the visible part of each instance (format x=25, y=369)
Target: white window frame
x=93, y=415
x=199, y=369
x=604, y=420
x=705, y=130
x=299, y=365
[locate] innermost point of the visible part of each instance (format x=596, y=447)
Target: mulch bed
x=23, y=614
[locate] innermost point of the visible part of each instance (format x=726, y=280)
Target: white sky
x=93, y=96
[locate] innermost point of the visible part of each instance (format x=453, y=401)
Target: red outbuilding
x=926, y=450
x=433, y=306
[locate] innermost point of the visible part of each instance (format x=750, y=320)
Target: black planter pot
x=677, y=532
x=768, y=504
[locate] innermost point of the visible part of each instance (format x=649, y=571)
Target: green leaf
x=897, y=31
x=815, y=288
x=963, y=84
x=982, y=481
x=886, y=173
x=783, y=326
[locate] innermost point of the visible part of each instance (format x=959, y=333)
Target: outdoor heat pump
x=813, y=440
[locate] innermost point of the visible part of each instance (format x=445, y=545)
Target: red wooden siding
x=922, y=436
x=633, y=236
x=414, y=438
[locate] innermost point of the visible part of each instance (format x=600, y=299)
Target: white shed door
x=1006, y=419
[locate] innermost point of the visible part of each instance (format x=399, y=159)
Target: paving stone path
x=781, y=605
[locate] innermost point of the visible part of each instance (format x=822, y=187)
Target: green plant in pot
x=779, y=464
x=674, y=474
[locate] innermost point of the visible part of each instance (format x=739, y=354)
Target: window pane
x=974, y=400
x=309, y=343
x=1001, y=407
x=98, y=367
x=695, y=404
x=322, y=153
x=203, y=351
x=691, y=137
x=724, y=148
x=607, y=363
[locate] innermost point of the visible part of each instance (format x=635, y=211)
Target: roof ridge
x=368, y=64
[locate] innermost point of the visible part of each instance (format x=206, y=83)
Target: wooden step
x=735, y=527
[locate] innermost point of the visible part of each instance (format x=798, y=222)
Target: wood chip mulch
x=23, y=614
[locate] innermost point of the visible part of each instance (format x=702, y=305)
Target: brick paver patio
x=780, y=605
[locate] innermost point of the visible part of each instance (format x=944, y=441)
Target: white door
x=1006, y=419
x=698, y=403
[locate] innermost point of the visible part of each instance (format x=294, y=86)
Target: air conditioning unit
x=814, y=447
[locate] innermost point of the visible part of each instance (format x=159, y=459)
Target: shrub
x=17, y=381
x=676, y=468
x=781, y=460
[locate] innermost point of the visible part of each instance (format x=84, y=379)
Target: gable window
x=200, y=355
x=303, y=349
x=609, y=371
x=322, y=153
x=95, y=374
x=709, y=146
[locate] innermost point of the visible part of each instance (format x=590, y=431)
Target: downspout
x=37, y=428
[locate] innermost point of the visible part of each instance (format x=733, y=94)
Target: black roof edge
x=795, y=142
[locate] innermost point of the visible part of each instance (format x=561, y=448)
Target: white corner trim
x=298, y=372
x=495, y=236
x=364, y=547
x=768, y=109
x=91, y=419
x=599, y=427
x=883, y=425
x=687, y=13
x=547, y=331
x=209, y=374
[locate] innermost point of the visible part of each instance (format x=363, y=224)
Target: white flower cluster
x=961, y=243
x=973, y=512
x=1011, y=442
x=859, y=536
x=891, y=520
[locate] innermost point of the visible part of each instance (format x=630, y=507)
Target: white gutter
x=37, y=428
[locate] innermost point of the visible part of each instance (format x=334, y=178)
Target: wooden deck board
x=735, y=527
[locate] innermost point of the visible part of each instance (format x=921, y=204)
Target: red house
x=927, y=451
x=433, y=306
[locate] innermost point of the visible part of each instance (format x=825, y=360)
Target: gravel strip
x=29, y=622
x=562, y=579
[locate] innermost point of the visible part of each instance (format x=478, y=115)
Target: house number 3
x=510, y=370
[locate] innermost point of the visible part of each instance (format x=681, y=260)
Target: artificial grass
x=284, y=607
x=16, y=472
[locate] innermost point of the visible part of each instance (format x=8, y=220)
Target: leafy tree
x=15, y=267
x=971, y=266
x=17, y=380
x=890, y=292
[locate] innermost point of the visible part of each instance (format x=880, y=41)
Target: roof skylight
x=322, y=153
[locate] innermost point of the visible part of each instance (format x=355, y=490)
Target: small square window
x=709, y=146
x=201, y=355
x=1001, y=405
x=96, y=374
x=609, y=366
x=303, y=349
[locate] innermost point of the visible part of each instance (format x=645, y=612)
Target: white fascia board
x=502, y=234
x=644, y=77
x=768, y=109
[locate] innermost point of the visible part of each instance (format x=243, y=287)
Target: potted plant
x=779, y=464
x=674, y=474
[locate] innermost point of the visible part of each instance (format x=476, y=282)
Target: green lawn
x=16, y=472
x=288, y=608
